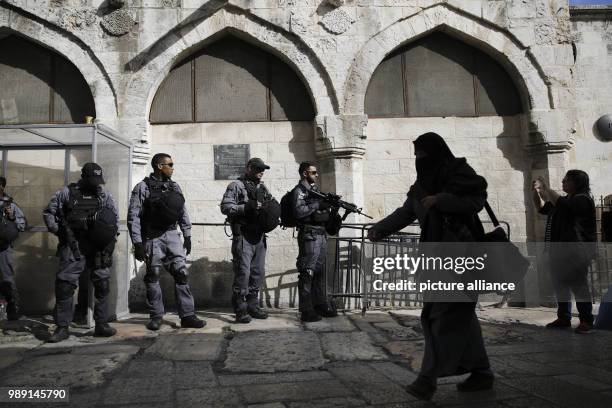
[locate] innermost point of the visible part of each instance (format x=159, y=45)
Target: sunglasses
x=313, y=172
x=167, y=164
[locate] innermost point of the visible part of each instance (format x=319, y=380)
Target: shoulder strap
x=492, y=216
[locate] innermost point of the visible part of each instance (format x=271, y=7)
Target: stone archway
x=75, y=50
x=152, y=65
x=515, y=57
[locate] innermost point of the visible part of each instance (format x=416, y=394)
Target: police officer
x=157, y=206
x=313, y=217
x=84, y=216
x=241, y=202
x=12, y=222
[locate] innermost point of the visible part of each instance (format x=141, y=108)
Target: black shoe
x=310, y=316
x=326, y=310
x=12, y=316
x=476, y=382
x=104, y=330
x=582, y=328
x=559, y=324
x=192, y=322
x=422, y=389
x=60, y=333
x=243, y=317
x=12, y=312
x=154, y=323
x=79, y=319
x=257, y=313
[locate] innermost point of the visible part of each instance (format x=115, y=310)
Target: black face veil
x=437, y=156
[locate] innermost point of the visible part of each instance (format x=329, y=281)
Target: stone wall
x=492, y=146
x=592, y=30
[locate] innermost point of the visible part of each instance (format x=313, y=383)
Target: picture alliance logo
x=414, y=264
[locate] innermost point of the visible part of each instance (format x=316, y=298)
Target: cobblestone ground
x=347, y=361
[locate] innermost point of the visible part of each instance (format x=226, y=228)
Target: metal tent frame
x=69, y=137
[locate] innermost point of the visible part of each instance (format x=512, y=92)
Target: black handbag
x=504, y=261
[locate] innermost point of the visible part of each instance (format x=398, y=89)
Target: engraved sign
x=230, y=160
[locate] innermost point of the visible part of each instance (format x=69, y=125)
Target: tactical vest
x=81, y=209
x=165, y=204
x=317, y=218
x=260, y=194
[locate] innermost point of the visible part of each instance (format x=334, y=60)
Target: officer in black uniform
x=241, y=202
x=315, y=218
x=157, y=207
x=12, y=221
x=84, y=216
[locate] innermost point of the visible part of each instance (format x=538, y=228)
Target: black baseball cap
x=92, y=172
x=257, y=163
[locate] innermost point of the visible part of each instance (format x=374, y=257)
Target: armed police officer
x=12, y=221
x=315, y=219
x=245, y=202
x=84, y=216
x=157, y=206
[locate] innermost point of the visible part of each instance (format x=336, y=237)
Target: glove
x=251, y=206
x=324, y=205
x=139, y=251
x=187, y=245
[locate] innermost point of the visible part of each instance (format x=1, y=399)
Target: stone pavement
x=347, y=361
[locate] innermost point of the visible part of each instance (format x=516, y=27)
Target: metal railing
x=352, y=275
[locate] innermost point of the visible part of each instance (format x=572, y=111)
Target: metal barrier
x=353, y=273
x=351, y=263
x=600, y=274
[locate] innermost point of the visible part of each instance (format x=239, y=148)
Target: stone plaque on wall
x=230, y=160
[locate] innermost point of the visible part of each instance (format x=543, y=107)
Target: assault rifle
x=335, y=201
x=67, y=234
x=5, y=204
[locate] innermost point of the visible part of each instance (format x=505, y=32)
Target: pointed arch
x=152, y=66
x=518, y=61
x=69, y=46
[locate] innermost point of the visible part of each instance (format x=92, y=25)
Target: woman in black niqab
x=446, y=188
x=432, y=156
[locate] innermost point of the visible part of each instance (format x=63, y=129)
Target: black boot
x=192, y=322
x=309, y=316
x=253, y=309
x=79, y=319
x=243, y=317
x=12, y=311
x=422, y=388
x=154, y=323
x=104, y=330
x=257, y=313
x=326, y=310
x=60, y=333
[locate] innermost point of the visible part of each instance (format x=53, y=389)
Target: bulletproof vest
x=318, y=217
x=81, y=208
x=165, y=204
x=8, y=228
x=260, y=194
